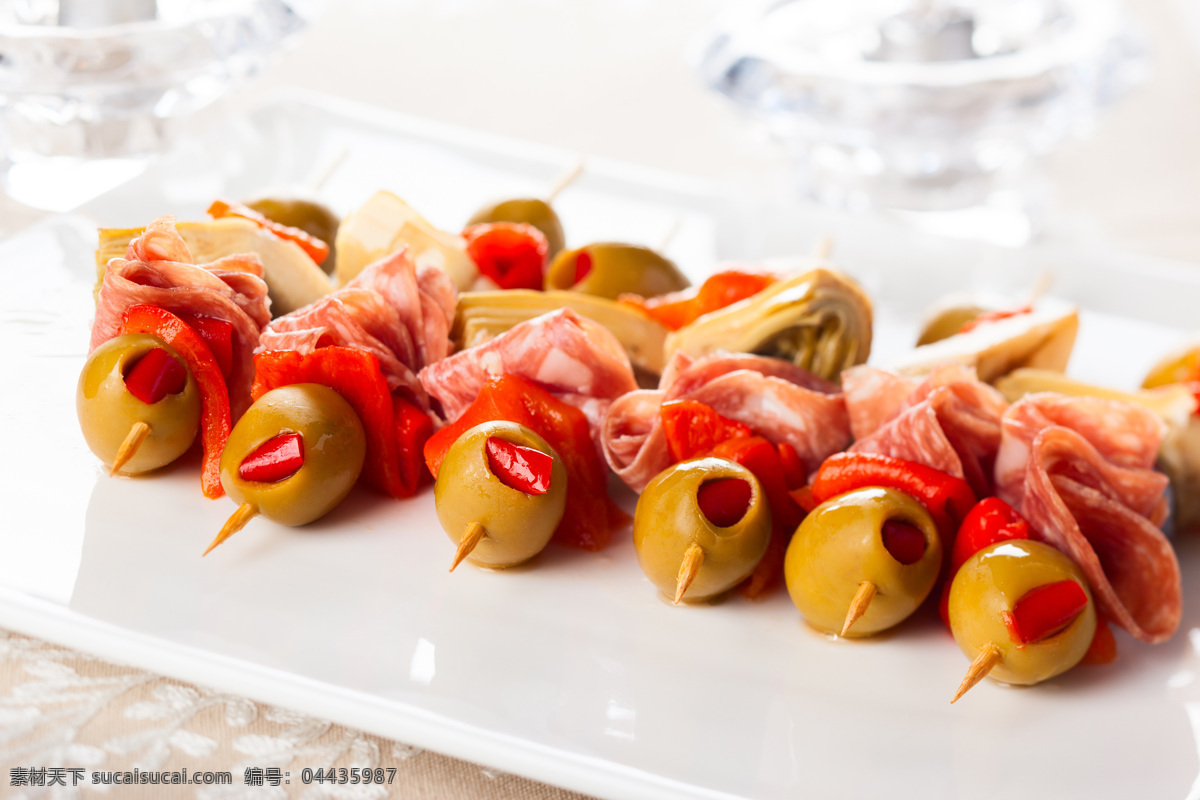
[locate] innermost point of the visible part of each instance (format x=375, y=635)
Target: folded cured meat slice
x=570, y=356
x=392, y=309
x=778, y=400
x=949, y=421
x=1078, y=470
x=157, y=270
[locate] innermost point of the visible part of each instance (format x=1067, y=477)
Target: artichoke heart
x=482, y=316
x=820, y=320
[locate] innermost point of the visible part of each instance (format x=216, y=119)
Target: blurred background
x=1079, y=119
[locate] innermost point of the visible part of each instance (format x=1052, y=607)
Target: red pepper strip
x=413, y=429
x=947, y=498
x=316, y=249
x=277, y=458
x=1045, y=610
x=761, y=458
x=1103, y=649
x=511, y=254
x=795, y=472
x=215, y=419
x=218, y=335
x=590, y=515
x=724, y=501
x=355, y=375
x=991, y=520
x=803, y=497
x=518, y=467
x=682, y=308
x=994, y=316
x=155, y=375
x=693, y=428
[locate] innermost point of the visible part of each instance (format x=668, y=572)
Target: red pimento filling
x=724, y=501
x=1042, y=612
x=903, y=541
x=154, y=376
x=518, y=467
x=583, y=266
x=278, y=458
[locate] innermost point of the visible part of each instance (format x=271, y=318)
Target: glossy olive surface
x=107, y=410
x=529, y=210
x=334, y=447
x=517, y=525
x=616, y=269
x=668, y=520
x=840, y=544
x=990, y=583
x=308, y=214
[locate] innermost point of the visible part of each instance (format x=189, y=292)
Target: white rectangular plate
x=570, y=670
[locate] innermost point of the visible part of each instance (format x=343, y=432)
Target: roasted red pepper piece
x=1044, y=611
x=518, y=467
x=511, y=254
x=947, y=498
x=693, y=428
x=989, y=521
x=762, y=458
x=590, y=515
x=795, y=471
x=155, y=375
x=413, y=429
x=678, y=309
x=215, y=419
x=218, y=335
x=275, y=459
x=724, y=501
x=355, y=375
x=1103, y=649
x=316, y=249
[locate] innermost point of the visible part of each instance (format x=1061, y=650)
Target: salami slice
x=572, y=357
x=778, y=400
x=949, y=421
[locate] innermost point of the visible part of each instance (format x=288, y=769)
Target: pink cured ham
x=1078, y=469
x=158, y=270
x=392, y=309
x=570, y=356
x=949, y=421
x=778, y=400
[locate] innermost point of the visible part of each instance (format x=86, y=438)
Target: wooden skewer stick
x=326, y=169
x=128, y=449
x=564, y=180
x=237, y=520
x=473, y=535
x=693, y=557
x=989, y=657
x=665, y=242
x=858, y=606
x=1040, y=286
x=823, y=248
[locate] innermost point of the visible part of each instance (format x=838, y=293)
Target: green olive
x=306, y=213
x=946, y=322
x=531, y=211
x=334, y=446
x=107, y=410
x=516, y=524
x=990, y=583
x=841, y=544
x=609, y=269
x=669, y=520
